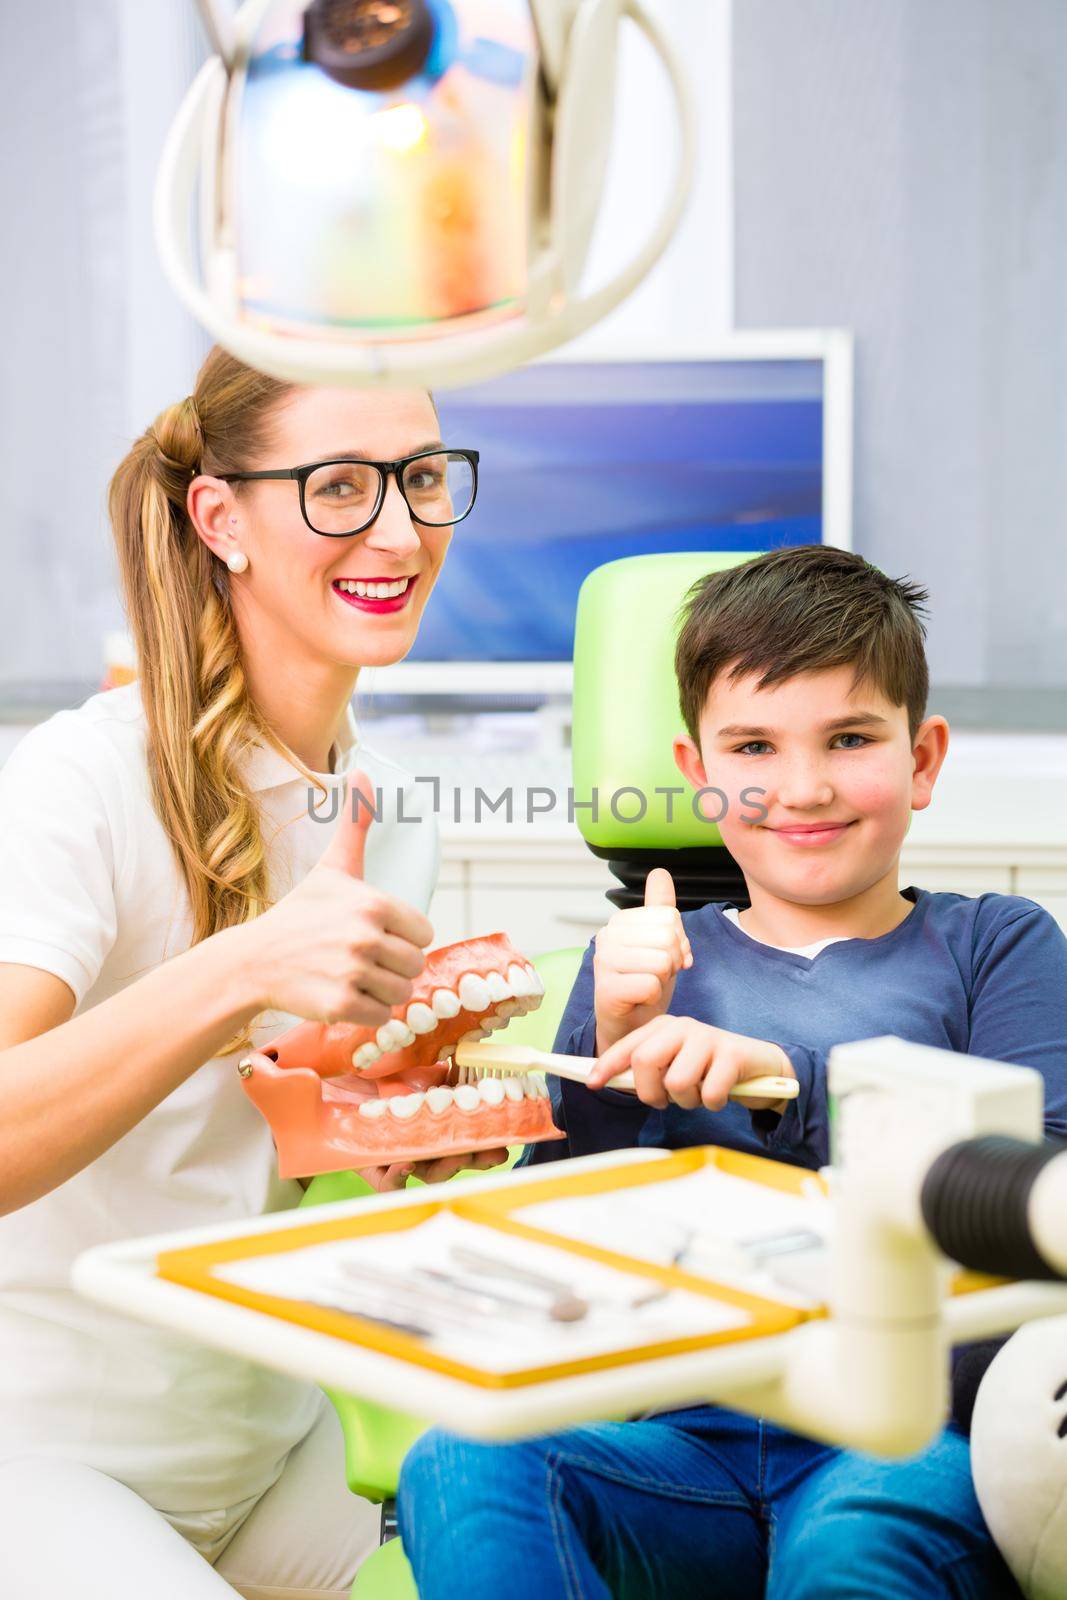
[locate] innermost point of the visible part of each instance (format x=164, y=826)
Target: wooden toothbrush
x=503, y=1060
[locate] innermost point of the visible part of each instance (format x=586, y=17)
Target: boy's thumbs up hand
x=637, y=957
x=335, y=949
x=659, y=889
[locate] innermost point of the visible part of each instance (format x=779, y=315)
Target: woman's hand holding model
x=337, y=950
x=638, y=955
x=334, y=948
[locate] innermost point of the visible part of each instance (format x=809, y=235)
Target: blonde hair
x=200, y=718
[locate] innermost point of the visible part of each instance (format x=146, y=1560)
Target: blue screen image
x=583, y=463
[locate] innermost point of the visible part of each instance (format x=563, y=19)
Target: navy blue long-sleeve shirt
x=984, y=976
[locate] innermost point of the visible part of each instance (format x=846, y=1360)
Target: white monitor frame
x=833, y=346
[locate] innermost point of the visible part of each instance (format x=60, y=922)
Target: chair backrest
x=626, y=715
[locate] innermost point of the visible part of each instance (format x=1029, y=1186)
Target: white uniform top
x=90, y=890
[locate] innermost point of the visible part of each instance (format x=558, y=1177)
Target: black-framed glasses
x=344, y=495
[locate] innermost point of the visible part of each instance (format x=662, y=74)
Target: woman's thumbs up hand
x=347, y=848
x=637, y=957
x=335, y=949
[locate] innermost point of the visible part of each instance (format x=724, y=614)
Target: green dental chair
x=377, y=1438
x=625, y=715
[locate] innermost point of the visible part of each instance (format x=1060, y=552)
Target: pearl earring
x=237, y=561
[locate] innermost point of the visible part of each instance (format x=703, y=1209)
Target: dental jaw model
x=338, y=1096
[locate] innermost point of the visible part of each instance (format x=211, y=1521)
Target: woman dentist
x=167, y=896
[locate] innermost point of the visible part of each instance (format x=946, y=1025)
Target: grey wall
x=901, y=168
x=94, y=343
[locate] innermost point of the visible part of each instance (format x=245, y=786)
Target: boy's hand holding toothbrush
x=679, y=1061
x=637, y=957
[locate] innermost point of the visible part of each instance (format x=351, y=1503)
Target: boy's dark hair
x=801, y=609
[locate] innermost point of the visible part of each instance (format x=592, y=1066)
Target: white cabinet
x=544, y=893
x=449, y=911
x=547, y=891
x=1047, y=884
x=545, y=917
x=954, y=875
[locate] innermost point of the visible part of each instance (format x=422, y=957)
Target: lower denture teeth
x=509, y=1008
x=532, y=1087
x=491, y=1090
x=473, y=992
x=420, y=1018
x=474, y=1035
x=439, y=1100
x=513, y=1090
x=366, y=1055
x=467, y=1097
x=405, y=1105
x=445, y=1003
x=372, y=1108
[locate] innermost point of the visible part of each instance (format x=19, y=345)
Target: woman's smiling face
x=294, y=577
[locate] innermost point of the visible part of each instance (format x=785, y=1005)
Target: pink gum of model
x=338, y=1096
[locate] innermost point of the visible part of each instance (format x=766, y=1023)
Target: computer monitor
x=745, y=448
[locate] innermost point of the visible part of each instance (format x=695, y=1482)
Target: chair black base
x=699, y=876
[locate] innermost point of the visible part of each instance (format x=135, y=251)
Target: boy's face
x=839, y=773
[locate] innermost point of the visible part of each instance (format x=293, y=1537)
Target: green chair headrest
x=626, y=711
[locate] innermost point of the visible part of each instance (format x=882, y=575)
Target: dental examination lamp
x=403, y=192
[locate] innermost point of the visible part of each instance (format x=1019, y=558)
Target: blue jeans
x=700, y=1502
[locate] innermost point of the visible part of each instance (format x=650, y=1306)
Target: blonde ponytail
x=200, y=718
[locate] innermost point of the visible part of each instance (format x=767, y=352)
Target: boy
x=802, y=673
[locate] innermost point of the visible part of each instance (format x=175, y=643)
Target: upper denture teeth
x=534, y=977
x=518, y=982
x=498, y=986
x=372, y=1108
x=366, y=1055
x=394, y=1035
x=420, y=1018
x=445, y=1003
x=473, y=992
x=491, y=1090
x=439, y=1100
x=513, y=1089
x=405, y=1105
x=467, y=1097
